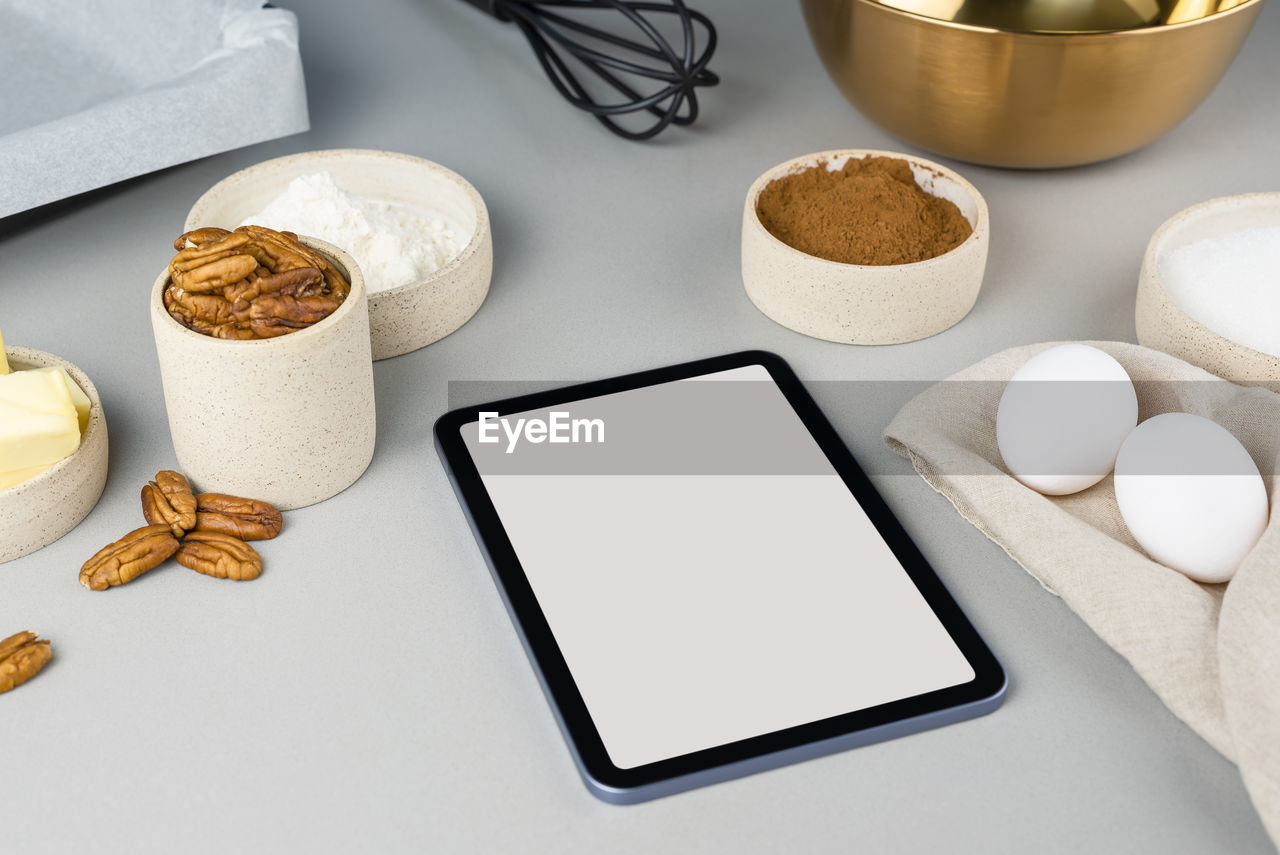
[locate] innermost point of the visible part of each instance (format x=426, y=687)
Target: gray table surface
x=368, y=693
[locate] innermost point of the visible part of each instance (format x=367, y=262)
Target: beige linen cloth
x=1211, y=652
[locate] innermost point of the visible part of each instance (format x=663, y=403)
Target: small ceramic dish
x=1163, y=325
x=410, y=316
x=865, y=304
x=287, y=420
x=42, y=509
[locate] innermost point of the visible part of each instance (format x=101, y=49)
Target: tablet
x=705, y=581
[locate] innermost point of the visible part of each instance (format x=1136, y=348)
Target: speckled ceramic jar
x=288, y=420
x=42, y=509
x=865, y=304
x=407, y=317
x=1161, y=324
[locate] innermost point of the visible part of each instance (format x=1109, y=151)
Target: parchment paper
x=96, y=91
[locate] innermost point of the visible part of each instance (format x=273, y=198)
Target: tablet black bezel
x=544, y=651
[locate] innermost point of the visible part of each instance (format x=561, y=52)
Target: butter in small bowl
x=53, y=450
x=43, y=413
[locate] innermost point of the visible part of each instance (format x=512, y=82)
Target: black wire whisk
x=561, y=42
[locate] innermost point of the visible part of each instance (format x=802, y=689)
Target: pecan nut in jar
x=219, y=555
x=129, y=557
x=251, y=283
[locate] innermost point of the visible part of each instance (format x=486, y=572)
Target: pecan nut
x=21, y=658
x=282, y=251
x=220, y=556
x=274, y=314
x=299, y=282
x=129, y=557
x=213, y=275
x=247, y=519
x=169, y=500
x=190, y=309
x=199, y=237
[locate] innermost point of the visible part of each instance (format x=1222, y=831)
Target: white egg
x=1062, y=418
x=1191, y=495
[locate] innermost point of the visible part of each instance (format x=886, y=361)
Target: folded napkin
x=1210, y=652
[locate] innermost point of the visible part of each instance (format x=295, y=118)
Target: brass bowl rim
x=1074, y=34
x=795, y=164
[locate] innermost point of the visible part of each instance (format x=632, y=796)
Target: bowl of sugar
x=1209, y=290
x=418, y=231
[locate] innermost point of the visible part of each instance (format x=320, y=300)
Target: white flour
x=1231, y=284
x=393, y=244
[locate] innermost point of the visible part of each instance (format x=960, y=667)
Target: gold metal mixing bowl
x=1028, y=83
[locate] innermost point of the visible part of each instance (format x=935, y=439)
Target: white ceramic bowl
x=287, y=420
x=42, y=509
x=865, y=304
x=1164, y=326
x=410, y=316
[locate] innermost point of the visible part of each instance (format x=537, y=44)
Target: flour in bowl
x=393, y=244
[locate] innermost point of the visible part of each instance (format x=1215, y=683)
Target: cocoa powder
x=871, y=211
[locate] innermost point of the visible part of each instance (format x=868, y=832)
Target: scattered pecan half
x=220, y=555
x=168, y=500
x=247, y=519
x=21, y=658
x=129, y=557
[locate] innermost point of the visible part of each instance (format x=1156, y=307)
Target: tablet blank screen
x=714, y=579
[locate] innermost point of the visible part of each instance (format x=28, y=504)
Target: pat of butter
x=17, y=476
x=4, y=360
x=78, y=398
x=39, y=422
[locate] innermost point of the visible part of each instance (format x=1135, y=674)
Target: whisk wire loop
x=554, y=37
x=580, y=51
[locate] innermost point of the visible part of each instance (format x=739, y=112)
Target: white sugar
x=1231, y=284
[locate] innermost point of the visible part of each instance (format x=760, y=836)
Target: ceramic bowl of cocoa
x=288, y=420
x=408, y=316
x=38, y=511
x=824, y=253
